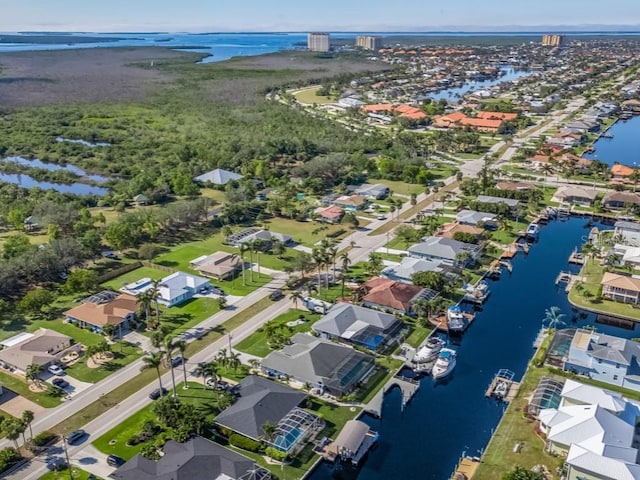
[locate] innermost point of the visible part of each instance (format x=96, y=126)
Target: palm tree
x=251, y=248
x=154, y=294
x=233, y=361
x=27, y=418
x=346, y=263
x=11, y=428
x=169, y=348
x=258, y=245
x=553, y=317
x=319, y=260
x=181, y=345
x=295, y=296
x=144, y=302
x=222, y=357
x=33, y=373
x=243, y=249
x=153, y=360
x=254, y=363
x=278, y=248
x=332, y=255
x=269, y=431
x=546, y=168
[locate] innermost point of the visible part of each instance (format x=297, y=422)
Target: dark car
x=56, y=464
x=75, y=436
x=276, y=295
x=157, y=393
x=115, y=461
x=177, y=360
x=60, y=383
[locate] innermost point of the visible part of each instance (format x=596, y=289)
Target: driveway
x=75, y=386
x=14, y=404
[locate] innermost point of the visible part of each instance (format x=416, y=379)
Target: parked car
x=381, y=217
x=177, y=360
x=55, y=370
x=157, y=393
x=115, y=461
x=56, y=463
x=219, y=385
x=60, y=383
x=276, y=295
x=75, y=436
x=217, y=290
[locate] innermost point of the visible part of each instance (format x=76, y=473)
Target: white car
x=55, y=370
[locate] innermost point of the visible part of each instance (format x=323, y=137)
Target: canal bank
x=619, y=145
x=447, y=419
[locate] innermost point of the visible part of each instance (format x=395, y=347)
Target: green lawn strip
x=386, y=368
x=78, y=474
x=418, y=335
x=124, y=353
x=189, y=314
x=115, y=440
x=505, y=237
x=397, y=186
x=134, y=275
x=19, y=385
x=257, y=343
x=97, y=408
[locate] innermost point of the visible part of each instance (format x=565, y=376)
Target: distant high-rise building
x=552, y=40
x=369, y=42
x=318, y=42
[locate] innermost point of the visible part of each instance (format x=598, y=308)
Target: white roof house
x=172, y=290
x=403, y=271
x=576, y=393
x=218, y=177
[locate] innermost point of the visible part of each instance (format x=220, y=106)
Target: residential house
x=448, y=230
x=43, y=347
x=327, y=366
x=102, y=309
x=487, y=122
x=621, y=172
x=512, y=203
x=515, y=186
x=403, y=272
x=538, y=161
x=594, y=429
x=604, y=358
x=251, y=235
x=584, y=125
x=445, y=250
x=377, y=191
x=359, y=326
x=629, y=232
x=260, y=401
x=219, y=265
x=332, y=214
x=351, y=102
x=473, y=218
x=627, y=254
x=195, y=459
x=173, y=289
x=218, y=177
x=621, y=288
x=617, y=200
x=388, y=295
x=575, y=195
x=351, y=203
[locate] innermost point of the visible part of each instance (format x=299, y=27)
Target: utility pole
x=229, y=337
x=66, y=454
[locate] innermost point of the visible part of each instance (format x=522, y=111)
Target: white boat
x=445, y=363
x=456, y=322
x=501, y=390
x=476, y=293
x=429, y=351
x=552, y=212
x=533, y=230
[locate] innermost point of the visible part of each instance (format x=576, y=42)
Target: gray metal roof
x=473, y=218
x=512, y=202
x=260, y=401
x=198, y=458
x=218, y=177
x=343, y=316
x=441, y=247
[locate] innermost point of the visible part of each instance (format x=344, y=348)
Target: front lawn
x=257, y=344
x=78, y=474
x=189, y=314
x=19, y=385
x=124, y=353
x=115, y=440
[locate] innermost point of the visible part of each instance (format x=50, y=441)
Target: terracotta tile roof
x=388, y=293
x=497, y=116
x=448, y=230
x=111, y=313
x=380, y=107
x=621, y=170
x=621, y=281
x=332, y=212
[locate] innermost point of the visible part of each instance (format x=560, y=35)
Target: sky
x=304, y=15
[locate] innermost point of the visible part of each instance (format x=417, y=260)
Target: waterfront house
x=621, y=172
x=102, y=309
x=512, y=203
x=219, y=265
x=43, y=347
x=604, y=358
x=197, y=458
x=359, y=326
x=594, y=429
x=473, y=218
x=621, y=288
x=445, y=250
x=331, y=214
x=575, y=195
x=351, y=203
x=629, y=232
x=617, y=200
x=327, y=366
x=448, y=230
x=584, y=125
x=218, y=177
x=260, y=401
x=627, y=254
x=377, y=191
x=403, y=271
x=394, y=297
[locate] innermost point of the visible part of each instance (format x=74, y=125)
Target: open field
x=310, y=96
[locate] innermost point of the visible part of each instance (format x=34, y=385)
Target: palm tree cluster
x=13, y=427
x=98, y=349
x=146, y=299
x=167, y=347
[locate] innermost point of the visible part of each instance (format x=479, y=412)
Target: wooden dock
x=466, y=469
x=576, y=258
x=503, y=376
x=441, y=323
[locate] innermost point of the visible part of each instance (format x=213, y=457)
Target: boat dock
x=576, y=257
x=408, y=387
x=466, y=469
x=542, y=334
x=441, y=323
x=503, y=379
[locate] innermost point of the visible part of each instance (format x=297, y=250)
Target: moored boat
x=476, y=293
x=445, y=363
x=429, y=351
x=533, y=230
x=456, y=321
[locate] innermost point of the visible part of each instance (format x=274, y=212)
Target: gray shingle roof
x=260, y=401
x=489, y=199
x=197, y=458
x=442, y=247
x=342, y=317
x=218, y=177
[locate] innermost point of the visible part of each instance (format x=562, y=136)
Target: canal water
x=450, y=93
x=446, y=420
x=622, y=148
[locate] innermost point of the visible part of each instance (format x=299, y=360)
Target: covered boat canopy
x=351, y=436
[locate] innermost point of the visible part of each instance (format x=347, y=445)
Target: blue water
x=623, y=147
x=77, y=188
x=52, y=167
x=451, y=93
x=446, y=419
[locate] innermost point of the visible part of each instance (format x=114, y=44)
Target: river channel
x=622, y=148
x=445, y=420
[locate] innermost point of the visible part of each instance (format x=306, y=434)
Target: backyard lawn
x=399, y=187
x=257, y=344
x=134, y=275
x=115, y=440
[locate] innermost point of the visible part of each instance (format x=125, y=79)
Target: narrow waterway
x=622, y=148
x=445, y=420
x=450, y=93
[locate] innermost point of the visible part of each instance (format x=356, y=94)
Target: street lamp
x=229, y=337
x=66, y=454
